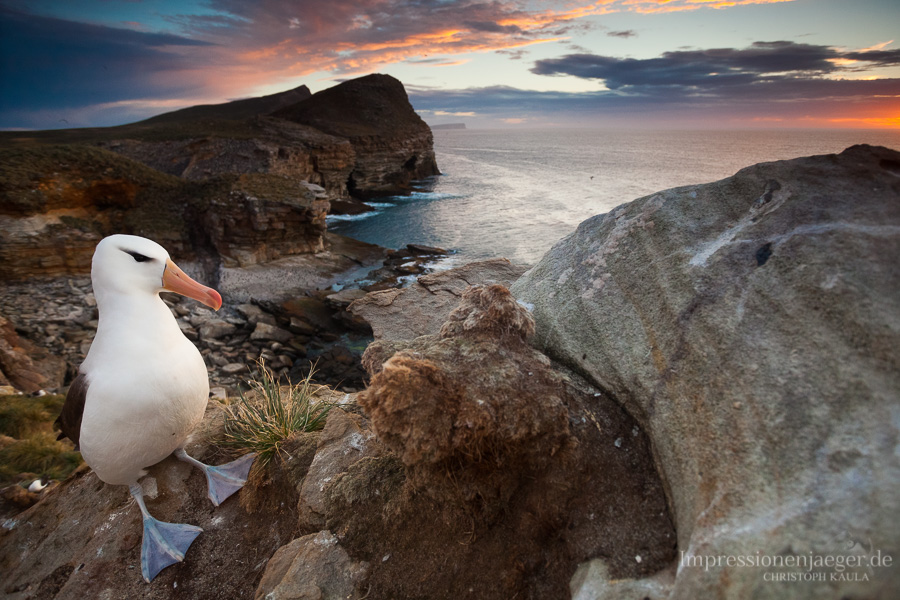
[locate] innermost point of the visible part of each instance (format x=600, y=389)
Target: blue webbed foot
x=164, y=544
x=226, y=479
x=223, y=480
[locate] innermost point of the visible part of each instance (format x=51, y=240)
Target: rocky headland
x=240, y=198
x=709, y=371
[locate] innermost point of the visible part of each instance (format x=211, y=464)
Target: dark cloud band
x=715, y=68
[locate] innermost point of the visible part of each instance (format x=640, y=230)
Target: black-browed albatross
x=143, y=386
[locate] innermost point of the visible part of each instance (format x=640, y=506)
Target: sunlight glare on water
x=514, y=193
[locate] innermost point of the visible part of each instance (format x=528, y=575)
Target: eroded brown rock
x=268, y=145
x=448, y=414
x=26, y=366
x=263, y=218
x=58, y=202
x=500, y=477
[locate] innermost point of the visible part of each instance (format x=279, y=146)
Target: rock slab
x=312, y=567
x=751, y=325
x=420, y=309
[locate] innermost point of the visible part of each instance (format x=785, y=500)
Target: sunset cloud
x=797, y=101
x=89, y=71
x=381, y=31
x=247, y=44
x=660, y=6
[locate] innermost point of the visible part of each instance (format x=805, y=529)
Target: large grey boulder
x=752, y=325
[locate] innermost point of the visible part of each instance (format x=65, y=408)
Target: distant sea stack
x=393, y=144
x=449, y=126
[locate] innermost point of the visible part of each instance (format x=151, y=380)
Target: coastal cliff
x=57, y=202
x=360, y=138
x=223, y=186
x=393, y=144
x=706, y=372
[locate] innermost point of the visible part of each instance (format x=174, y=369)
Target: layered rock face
x=57, y=202
x=360, y=138
x=393, y=144
x=263, y=218
x=751, y=326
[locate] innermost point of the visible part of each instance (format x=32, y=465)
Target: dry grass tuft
x=262, y=419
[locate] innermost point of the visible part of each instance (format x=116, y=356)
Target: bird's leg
x=223, y=480
x=164, y=543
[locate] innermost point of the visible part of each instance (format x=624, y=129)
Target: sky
x=486, y=63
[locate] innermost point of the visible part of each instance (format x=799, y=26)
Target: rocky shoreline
x=59, y=316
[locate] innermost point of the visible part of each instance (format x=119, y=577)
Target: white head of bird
x=128, y=265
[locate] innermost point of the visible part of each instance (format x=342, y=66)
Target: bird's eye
x=137, y=256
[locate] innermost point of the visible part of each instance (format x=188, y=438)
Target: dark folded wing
x=69, y=420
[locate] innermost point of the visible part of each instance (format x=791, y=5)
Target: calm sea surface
x=514, y=193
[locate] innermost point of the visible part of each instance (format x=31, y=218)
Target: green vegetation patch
x=27, y=441
x=278, y=188
x=22, y=415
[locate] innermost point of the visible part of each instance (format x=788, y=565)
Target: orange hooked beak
x=175, y=280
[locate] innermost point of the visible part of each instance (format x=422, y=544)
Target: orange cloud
x=296, y=61
x=660, y=6
x=551, y=17
x=880, y=46
x=881, y=122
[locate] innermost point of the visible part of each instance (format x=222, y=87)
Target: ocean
x=514, y=193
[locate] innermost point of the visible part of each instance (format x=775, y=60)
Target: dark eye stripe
x=137, y=256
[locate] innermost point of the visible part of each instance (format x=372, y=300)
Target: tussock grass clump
x=269, y=413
